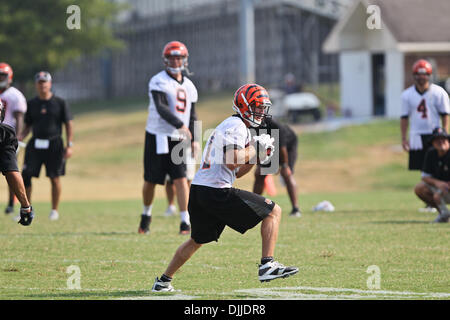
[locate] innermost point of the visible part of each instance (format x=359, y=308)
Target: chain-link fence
x=288, y=39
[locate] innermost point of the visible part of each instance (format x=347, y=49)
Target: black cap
x=42, y=76
x=439, y=133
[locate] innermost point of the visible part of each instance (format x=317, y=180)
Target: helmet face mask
x=172, y=64
x=259, y=112
x=172, y=50
x=4, y=81
x=422, y=71
x=252, y=103
x=421, y=78
x=6, y=75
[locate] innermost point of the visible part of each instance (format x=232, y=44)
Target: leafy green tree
x=35, y=34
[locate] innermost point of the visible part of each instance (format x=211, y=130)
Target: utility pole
x=247, y=41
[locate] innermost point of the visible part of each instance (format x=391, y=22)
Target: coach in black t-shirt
x=435, y=184
x=45, y=116
x=287, y=146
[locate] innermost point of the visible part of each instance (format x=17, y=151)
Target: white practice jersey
x=14, y=101
x=424, y=110
x=180, y=96
x=231, y=133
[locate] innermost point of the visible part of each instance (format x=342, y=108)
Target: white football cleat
x=162, y=286
x=442, y=218
x=171, y=211
x=54, y=215
x=273, y=270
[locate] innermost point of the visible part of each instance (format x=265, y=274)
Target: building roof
x=407, y=25
x=416, y=20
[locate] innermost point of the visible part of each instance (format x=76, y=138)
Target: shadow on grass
x=401, y=222
x=358, y=211
x=72, y=234
x=76, y=294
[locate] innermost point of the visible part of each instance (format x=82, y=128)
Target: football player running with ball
x=230, y=153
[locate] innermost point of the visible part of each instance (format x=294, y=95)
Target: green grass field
x=358, y=169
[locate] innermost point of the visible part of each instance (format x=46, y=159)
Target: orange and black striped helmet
x=248, y=99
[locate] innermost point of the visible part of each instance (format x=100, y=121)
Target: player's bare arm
x=244, y=169
x=237, y=158
x=19, y=121
x=445, y=122
x=404, y=122
x=69, y=137
x=22, y=135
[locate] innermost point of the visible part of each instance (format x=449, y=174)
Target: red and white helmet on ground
x=5, y=69
x=422, y=66
x=175, y=48
x=249, y=98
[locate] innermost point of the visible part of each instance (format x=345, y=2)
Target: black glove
x=26, y=216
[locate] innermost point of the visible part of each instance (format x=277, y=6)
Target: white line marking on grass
x=337, y=293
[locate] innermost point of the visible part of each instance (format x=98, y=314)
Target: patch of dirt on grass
x=352, y=174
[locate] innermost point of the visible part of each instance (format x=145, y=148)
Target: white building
x=378, y=41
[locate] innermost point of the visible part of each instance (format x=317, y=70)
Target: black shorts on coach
x=211, y=209
x=52, y=158
x=8, y=147
x=157, y=166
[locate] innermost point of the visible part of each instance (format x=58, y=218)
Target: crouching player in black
x=8, y=166
x=287, y=147
x=230, y=153
x=435, y=184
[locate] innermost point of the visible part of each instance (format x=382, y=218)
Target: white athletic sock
x=147, y=210
x=184, y=215
x=172, y=208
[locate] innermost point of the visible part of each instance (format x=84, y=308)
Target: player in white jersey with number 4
x=15, y=107
x=170, y=123
x=230, y=153
x=424, y=105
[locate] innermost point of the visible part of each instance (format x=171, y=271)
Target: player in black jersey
x=287, y=157
x=435, y=184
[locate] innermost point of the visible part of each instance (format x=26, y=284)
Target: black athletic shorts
x=52, y=158
x=211, y=209
x=417, y=157
x=8, y=147
x=157, y=166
